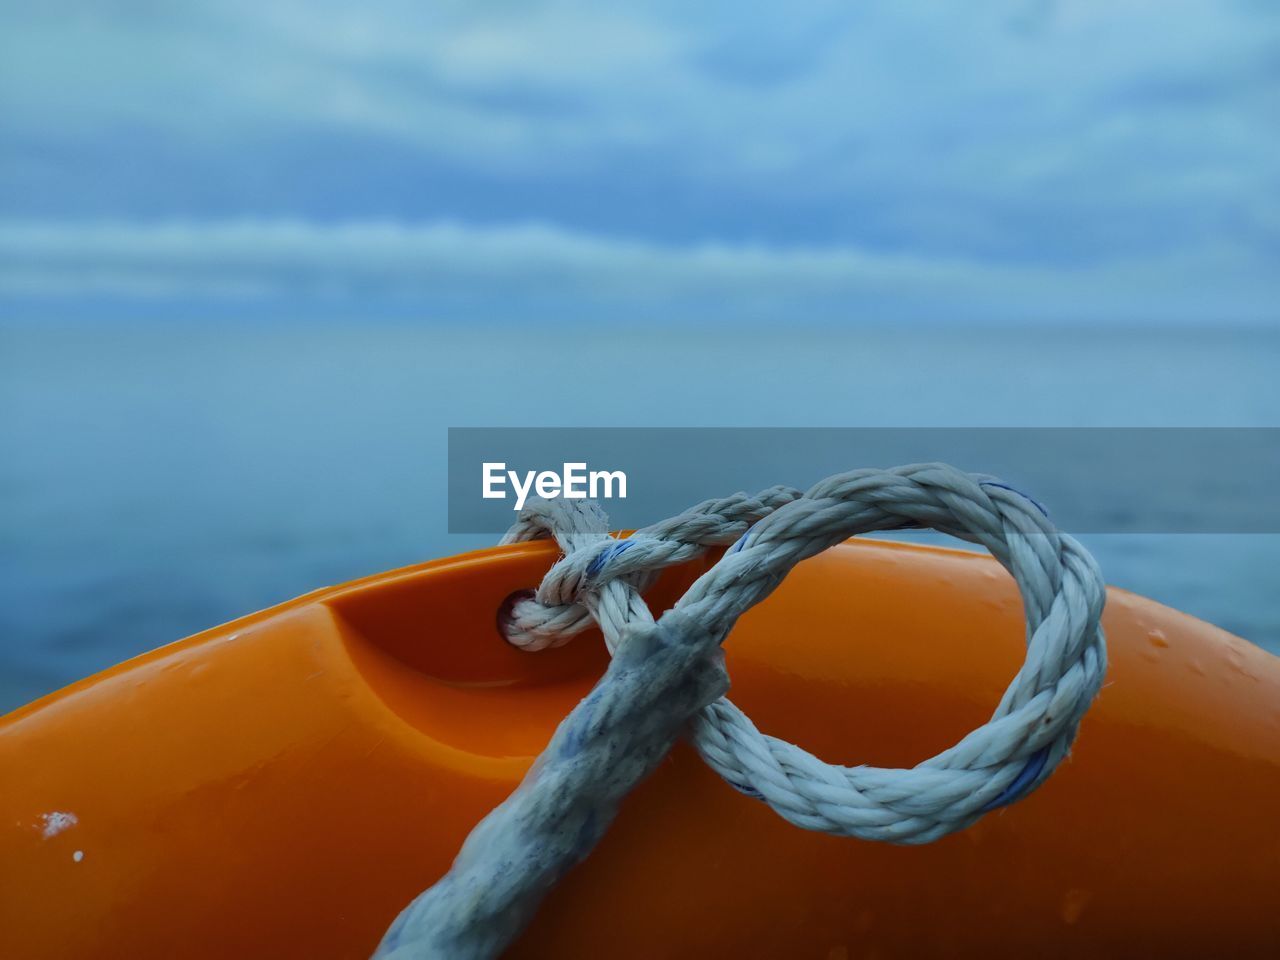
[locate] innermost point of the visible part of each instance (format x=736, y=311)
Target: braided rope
x=667, y=677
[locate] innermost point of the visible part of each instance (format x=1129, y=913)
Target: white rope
x=667, y=678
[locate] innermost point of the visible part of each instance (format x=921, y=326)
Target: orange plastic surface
x=281, y=786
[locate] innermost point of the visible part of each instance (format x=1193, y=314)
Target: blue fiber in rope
x=598, y=563
x=746, y=790
x=573, y=740
x=1015, y=790
x=1004, y=486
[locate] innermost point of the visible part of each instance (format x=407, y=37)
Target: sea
x=158, y=478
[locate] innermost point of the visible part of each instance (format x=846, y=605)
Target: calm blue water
x=157, y=479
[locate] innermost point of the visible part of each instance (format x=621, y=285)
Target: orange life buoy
x=286, y=783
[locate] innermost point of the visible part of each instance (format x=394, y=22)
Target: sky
x=716, y=163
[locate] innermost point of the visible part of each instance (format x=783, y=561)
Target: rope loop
x=1031, y=729
x=667, y=679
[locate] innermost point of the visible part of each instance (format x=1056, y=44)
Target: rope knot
x=600, y=579
x=668, y=677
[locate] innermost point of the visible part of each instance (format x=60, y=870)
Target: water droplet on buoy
x=1073, y=904
x=78, y=856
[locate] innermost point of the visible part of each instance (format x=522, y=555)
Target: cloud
x=1055, y=153
x=451, y=271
